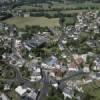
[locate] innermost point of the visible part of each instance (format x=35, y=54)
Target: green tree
x=53, y=98
x=61, y=21
x=1, y=85
x=88, y=97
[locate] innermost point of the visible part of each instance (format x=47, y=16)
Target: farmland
x=46, y=14
x=56, y=5
x=21, y=22
x=41, y=12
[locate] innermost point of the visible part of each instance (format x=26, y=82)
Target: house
x=98, y=20
x=18, y=43
x=91, y=43
x=21, y=33
x=61, y=47
x=97, y=64
x=20, y=90
x=72, y=67
x=79, y=61
x=51, y=61
x=35, y=69
x=64, y=55
x=30, y=95
x=3, y=97
x=84, y=57
x=64, y=41
x=86, y=68
x=26, y=93
x=58, y=73
x=68, y=92
x=87, y=80
x=1, y=26
x=32, y=64
x=55, y=85
x=46, y=66
x=6, y=28
x=91, y=54
x=4, y=56
x=52, y=74
x=98, y=75
x=26, y=14
x=6, y=87
x=35, y=78
x=92, y=75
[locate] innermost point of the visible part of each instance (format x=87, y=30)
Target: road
x=44, y=89
x=73, y=75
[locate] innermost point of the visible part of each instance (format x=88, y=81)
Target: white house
x=35, y=78
x=20, y=90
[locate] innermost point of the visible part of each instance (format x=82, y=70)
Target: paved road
x=73, y=76
x=44, y=89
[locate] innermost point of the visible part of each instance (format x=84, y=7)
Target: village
x=66, y=60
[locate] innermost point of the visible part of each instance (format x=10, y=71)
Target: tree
x=55, y=94
x=53, y=98
x=1, y=85
x=88, y=97
x=61, y=21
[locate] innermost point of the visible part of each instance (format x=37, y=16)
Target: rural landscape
x=49, y=49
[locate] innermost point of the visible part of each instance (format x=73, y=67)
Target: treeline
x=35, y=29
x=58, y=12
x=43, y=1
x=49, y=1
x=82, y=1
x=61, y=9
x=56, y=15
x=46, y=1
x=4, y=15
x=31, y=30
x=38, y=1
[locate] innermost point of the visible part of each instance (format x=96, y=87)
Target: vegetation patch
x=93, y=90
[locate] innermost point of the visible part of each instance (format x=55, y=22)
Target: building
x=3, y=97
x=26, y=93
x=36, y=41
x=21, y=90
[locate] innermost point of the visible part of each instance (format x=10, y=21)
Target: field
x=65, y=8
x=21, y=22
x=51, y=10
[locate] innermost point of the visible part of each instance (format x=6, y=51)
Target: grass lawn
x=70, y=20
x=21, y=22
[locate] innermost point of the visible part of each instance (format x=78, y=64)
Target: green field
x=21, y=22
x=51, y=10
x=65, y=8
